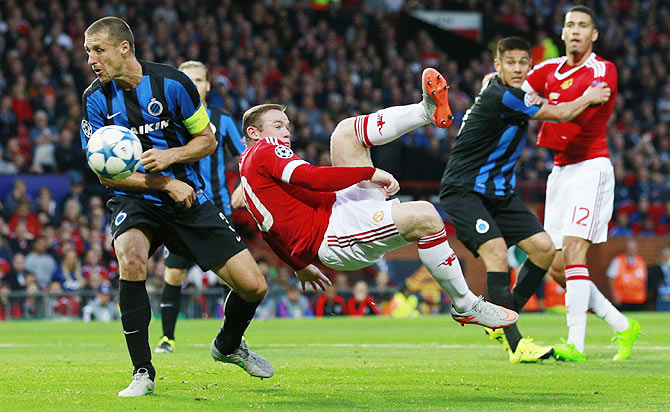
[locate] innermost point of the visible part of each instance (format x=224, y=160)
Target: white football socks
x=441, y=261
x=577, y=291
x=604, y=309
x=389, y=124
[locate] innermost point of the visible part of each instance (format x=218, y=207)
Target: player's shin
x=529, y=279
x=237, y=316
x=497, y=284
x=170, y=303
x=604, y=309
x=578, y=289
x=441, y=261
x=389, y=124
x=135, y=318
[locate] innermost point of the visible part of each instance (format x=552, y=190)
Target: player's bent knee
x=132, y=267
x=174, y=276
x=415, y=220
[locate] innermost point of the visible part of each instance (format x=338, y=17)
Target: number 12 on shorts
x=579, y=215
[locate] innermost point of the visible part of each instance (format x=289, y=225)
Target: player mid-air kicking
x=339, y=215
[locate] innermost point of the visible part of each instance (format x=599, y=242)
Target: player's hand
x=598, y=94
x=488, y=78
x=182, y=193
x=536, y=99
x=237, y=198
x=314, y=276
x=385, y=181
x=155, y=160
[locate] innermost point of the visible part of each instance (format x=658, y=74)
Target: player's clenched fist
x=155, y=160
x=598, y=94
x=385, y=181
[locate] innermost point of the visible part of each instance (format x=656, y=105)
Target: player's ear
x=253, y=132
x=125, y=47
x=594, y=35
x=496, y=64
x=209, y=87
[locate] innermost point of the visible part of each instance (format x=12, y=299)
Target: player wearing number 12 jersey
x=339, y=215
x=580, y=188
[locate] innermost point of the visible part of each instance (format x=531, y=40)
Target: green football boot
x=625, y=340
x=567, y=352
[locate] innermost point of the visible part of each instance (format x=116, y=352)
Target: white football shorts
x=360, y=230
x=580, y=201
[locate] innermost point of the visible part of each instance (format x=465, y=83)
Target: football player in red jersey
x=580, y=189
x=339, y=216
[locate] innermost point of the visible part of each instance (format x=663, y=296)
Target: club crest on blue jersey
x=154, y=107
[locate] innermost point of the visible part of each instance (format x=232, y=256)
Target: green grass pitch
x=345, y=364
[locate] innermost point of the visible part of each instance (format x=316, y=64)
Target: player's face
x=578, y=33
x=275, y=124
x=513, y=67
x=199, y=76
x=104, y=55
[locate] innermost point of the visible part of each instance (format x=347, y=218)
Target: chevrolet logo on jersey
x=150, y=127
x=566, y=84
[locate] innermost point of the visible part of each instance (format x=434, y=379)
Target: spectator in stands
x=638, y=216
x=42, y=264
x=69, y=272
x=621, y=226
x=102, y=308
x=330, y=303
x=18, y=194
x=45, y=202
x=61, y=304
x=25, y=216
x=8, y=308
x=294, y=305
x=67, y=153
x=628, y=278
x=7, y=120
x=16, y=278
x=362, y=303
x=658, y=278
x=6, y=168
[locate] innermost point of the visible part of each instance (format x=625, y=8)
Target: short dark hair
x=512, y=43
x=584, y=9
x=252, y=117
x=116, y=28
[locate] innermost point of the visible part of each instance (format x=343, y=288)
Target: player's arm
x=180, y=192
x=314, y=276
x=201, y=145
x=333, y=178
x=567, y=111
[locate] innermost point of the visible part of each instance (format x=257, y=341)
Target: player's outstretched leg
x=420, y=222
x=248, y=290
x=626, y=330
x=352, y=138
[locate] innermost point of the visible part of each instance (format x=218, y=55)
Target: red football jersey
x=584, y=137
x=290, y=199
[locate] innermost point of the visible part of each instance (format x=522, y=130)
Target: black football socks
x=170, y=302
x=135, y=318
x=498, y=285
x=529, y=279
x=238, y=314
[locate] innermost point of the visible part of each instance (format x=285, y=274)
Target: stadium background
x=325, y=65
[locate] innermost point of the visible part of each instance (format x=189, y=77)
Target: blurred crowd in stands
x=325, y=66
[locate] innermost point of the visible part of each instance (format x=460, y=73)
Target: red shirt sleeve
x=611, y=78
x=329, y=178
x=537, y=78
x=282, y=164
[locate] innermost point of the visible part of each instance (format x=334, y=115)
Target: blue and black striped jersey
x=164, y=110
x=490, y=141
x=213, y=168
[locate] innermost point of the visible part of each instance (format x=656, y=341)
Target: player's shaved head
x=117, y=29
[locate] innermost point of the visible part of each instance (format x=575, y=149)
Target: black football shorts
x=479, y=218
x=201, y=233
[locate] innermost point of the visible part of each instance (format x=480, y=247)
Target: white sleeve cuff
x=289, y=168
